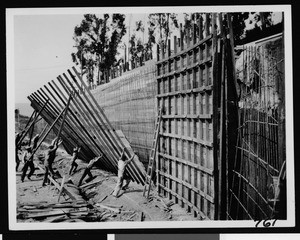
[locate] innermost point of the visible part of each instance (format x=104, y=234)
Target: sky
x=43, y=45
x=42, y=48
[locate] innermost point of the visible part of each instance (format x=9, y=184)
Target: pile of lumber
x=53, y=212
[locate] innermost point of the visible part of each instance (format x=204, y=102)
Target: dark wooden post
x=175, y=44
x=33, y=122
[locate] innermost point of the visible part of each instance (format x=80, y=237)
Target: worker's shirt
x=121, y=167
x=27, y=156
x=91, y=163
x=18, y=137
x=74, y=157
x=50, y=155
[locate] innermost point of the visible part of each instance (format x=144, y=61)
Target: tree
x=136, y=48
x=162, y=23
x=97, y=40
x=243, y=32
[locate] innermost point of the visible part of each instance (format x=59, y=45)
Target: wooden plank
x=61, y=187
x=70, y=194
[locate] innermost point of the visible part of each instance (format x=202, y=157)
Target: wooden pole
x=112, y=134
x=49, y=115
x=181, y=37
x=70, y=124
x=105, y=146
x=37, y=115
x=34, y=150
x=64, y=117
x=33, y=114
x=83, y=121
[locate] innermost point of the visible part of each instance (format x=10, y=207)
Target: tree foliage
x=241, y=31
x=136, y=48
x=161, y=23
x=97, y=40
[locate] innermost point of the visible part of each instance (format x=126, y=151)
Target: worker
x=28, y=162
x=87, y=170
x=17, y=139
x=122, y=163
x=49, y=159
x=74, y=165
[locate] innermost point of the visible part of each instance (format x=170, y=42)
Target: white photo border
x=14, y=225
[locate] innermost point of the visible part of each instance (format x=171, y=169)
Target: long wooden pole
x=56, y=106
x=96, y=126
x=33, y=113
x=64, y=117
x=83, y=122
x=37, y=115
x=76, y=119
x=111, y=134
x=109, y=150
x=114, y=137
x=34, y=150
x=49, y=121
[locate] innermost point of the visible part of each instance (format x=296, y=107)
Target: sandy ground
x=131, y=205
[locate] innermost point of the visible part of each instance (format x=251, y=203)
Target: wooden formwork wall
x=130, y=105
x=185, y=86
x=261, y=145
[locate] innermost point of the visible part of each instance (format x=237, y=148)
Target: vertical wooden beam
x=169, y=48
x=207, y=24
x=194, y=34
x=200, y=25
x=181, y=37
x=175, y=45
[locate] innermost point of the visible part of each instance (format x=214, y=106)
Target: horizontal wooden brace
x=191, y=139
x=188, y=185
x=181, y=70
x=188, y=163
x=200, y=90
x=184, y=51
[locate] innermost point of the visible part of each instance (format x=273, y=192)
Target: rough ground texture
x=94, y=202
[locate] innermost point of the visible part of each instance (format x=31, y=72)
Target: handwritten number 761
x=266, y=222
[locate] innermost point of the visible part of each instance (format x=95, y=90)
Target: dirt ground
x=99, y=204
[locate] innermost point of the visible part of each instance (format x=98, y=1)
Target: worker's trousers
x=17, y=161
x=87, y=171
x=120, y=185
x=73, y=168
x=48, y=168
x=25, y=168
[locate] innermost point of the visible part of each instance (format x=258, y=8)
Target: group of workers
x=50, y=154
